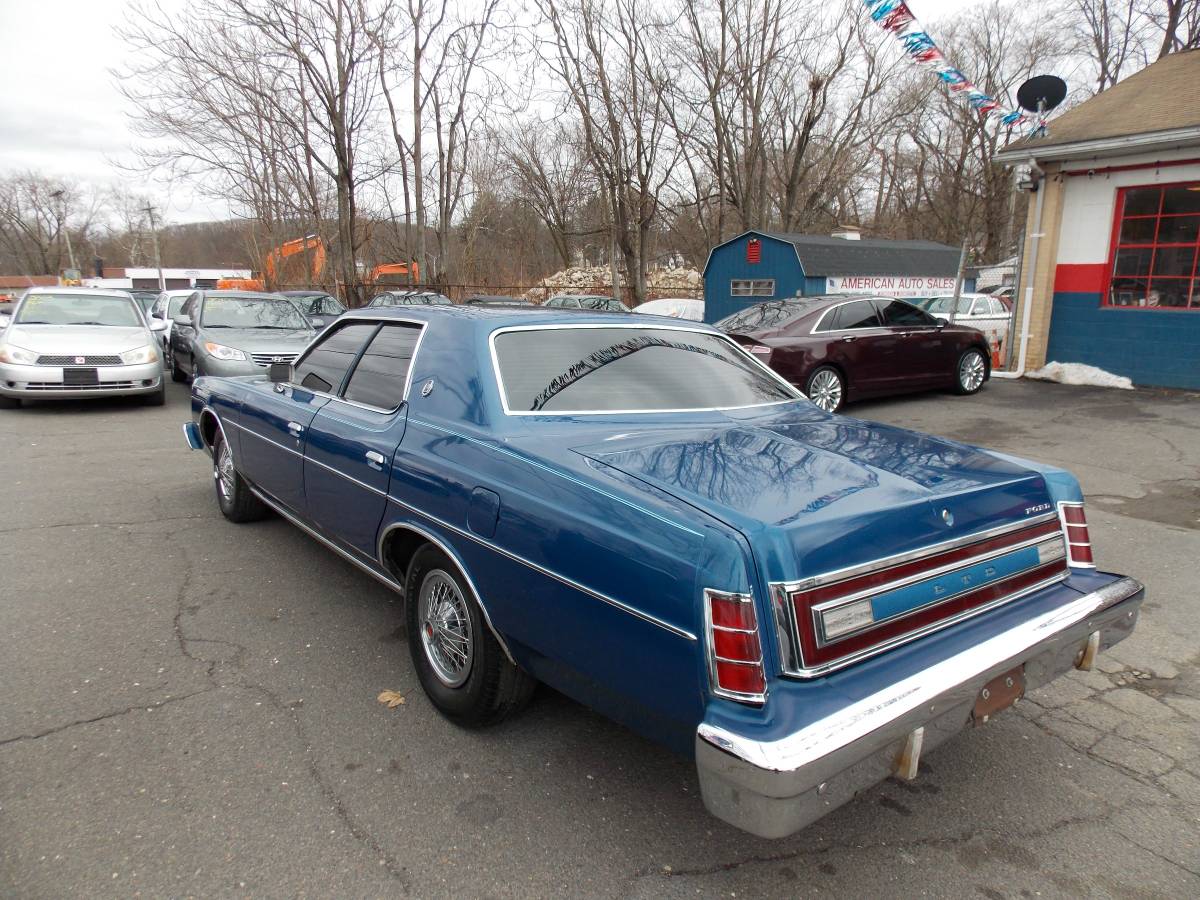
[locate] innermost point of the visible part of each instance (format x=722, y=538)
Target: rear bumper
x=773, y=788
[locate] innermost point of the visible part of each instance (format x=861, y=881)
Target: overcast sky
x=61, y=112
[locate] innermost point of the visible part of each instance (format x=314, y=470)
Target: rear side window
x=897, y=312
x=382, y=373
x=856, y=314
x=327, y=363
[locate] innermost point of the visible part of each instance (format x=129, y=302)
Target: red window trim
x=1114, y=245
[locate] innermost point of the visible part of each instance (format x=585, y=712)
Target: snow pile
x=598, y=280
x=1078, y=373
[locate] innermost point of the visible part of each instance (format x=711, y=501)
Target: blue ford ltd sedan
x=643, y=516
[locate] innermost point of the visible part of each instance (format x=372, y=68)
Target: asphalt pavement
x=188, y=707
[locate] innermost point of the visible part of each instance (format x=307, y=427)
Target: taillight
x=735, y=665
x=762, y=351
x=1079, y=542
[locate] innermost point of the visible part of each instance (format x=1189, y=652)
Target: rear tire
x=460, y=664
x=826, y=388
x=971, y=371
x=234, y=499
x=158, y=398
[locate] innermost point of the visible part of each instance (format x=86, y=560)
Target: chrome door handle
x=295, y=428
x=374, y=457
x=849, y=339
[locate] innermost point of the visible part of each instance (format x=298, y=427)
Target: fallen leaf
x=391, y=698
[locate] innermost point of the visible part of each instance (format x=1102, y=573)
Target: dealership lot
x=189, y=706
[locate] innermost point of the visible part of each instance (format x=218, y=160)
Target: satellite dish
x=1041, y=93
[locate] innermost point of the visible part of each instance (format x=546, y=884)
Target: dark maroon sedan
x=838, y=348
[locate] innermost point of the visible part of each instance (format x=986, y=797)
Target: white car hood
x=83, y=340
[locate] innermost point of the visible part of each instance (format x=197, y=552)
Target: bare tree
x=35, y=213
x=605, y=55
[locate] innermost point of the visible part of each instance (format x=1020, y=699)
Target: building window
x=752, y=287
x=1156, y=248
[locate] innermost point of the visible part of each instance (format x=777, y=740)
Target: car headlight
x=146, y=354
x=220, y=351
x=10, y=353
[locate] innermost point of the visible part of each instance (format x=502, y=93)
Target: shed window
x=1156, y=248
x=752, y=287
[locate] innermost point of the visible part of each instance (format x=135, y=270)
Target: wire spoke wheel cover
x=971, y=371
x=825, y=390
x=223, y=472
x=445, y=624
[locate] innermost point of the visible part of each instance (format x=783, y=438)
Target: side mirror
x=317, y=323
x=942, y=323
x=279, y=372
x=158, y=326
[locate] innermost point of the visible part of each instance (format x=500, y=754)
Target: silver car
x=72, y=343
x=235, y=333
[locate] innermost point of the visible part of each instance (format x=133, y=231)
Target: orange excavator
x=316, y=265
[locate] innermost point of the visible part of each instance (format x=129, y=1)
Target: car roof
x=305, y=293
x=496, y=317
x=248, y=295
x=82, y=291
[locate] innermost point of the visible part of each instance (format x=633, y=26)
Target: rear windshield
x=251, y=312
x=78, y=309
x=765, y=316
x=595, y=370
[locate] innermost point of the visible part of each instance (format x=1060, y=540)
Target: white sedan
x=675, y=307
x=981, y=311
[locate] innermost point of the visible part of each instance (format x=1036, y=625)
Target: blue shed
x=759, y=265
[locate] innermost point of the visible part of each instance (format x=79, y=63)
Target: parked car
x=838, y=349
x=408, y=298
x=675, y=307
x=586, y=301
x=319, y=307
x=645, y=518
x=165, y=309
x=496, y=300
x=75, y=343
x=987, y=313
x=235, y=333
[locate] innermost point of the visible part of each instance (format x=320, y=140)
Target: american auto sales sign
x=890, y=285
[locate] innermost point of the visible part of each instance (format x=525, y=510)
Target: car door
x=276, y=417
x=920, y=351
x=183, y=332
x=861, y=346
x=352, y=439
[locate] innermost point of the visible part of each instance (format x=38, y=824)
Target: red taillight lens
x=736, y=644
x=741, y=678
x=1079, y=541
x=734, y=649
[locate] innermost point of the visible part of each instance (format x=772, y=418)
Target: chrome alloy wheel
x=971, y=371
x=223, y=471
x=826, y=390
x=445, y=628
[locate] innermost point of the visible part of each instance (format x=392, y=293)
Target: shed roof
x=1163, y=97
x=823, y=255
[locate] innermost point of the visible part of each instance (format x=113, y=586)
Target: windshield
x=593, y=370
x=78, y=309
x=764, y=316
x=943, y=304
x=250, y=312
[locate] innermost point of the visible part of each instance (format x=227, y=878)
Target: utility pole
x=149, y=211
x=63, y=229
x=958, y=281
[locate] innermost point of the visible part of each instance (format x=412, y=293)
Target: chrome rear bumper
x=773, y=788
